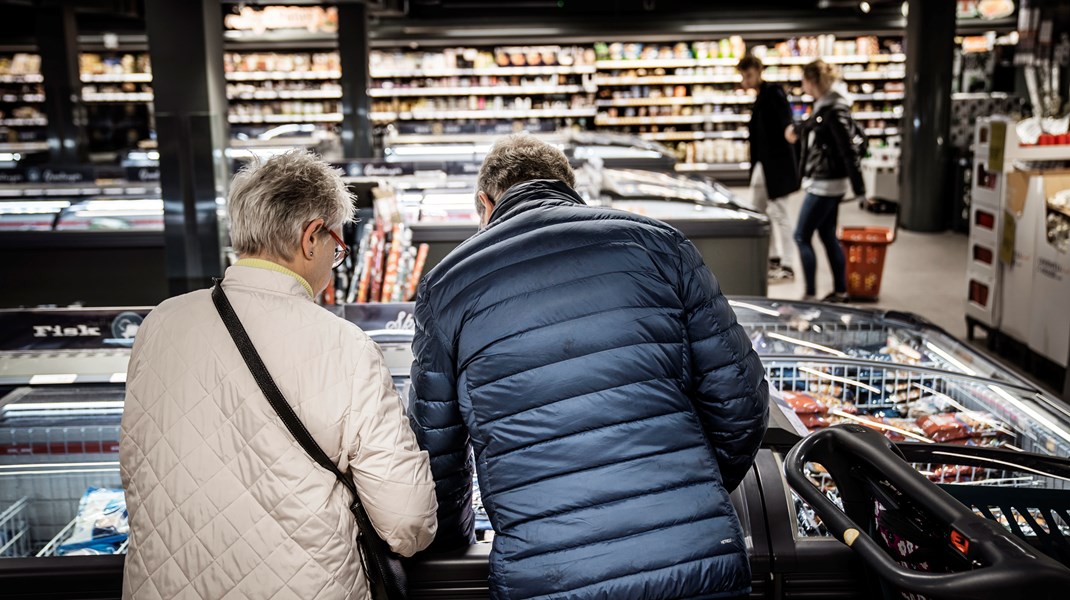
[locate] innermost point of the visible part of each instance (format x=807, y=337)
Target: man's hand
x=789, y=134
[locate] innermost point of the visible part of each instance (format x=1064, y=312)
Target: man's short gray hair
x=518, y=158
x=272, y=202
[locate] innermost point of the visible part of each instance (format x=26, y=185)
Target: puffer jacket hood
x=584, y=362
x=223, y=502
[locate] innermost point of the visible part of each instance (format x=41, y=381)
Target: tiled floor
x=923, y=273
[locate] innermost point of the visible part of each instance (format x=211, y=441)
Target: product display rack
x=21, y=104
x=689, y=93
x=472, y=90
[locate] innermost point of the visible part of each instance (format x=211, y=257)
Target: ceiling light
x=864, y=7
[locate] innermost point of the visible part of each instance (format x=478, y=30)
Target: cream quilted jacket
x=223, y=502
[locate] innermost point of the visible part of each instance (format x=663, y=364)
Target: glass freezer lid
x=778, y=327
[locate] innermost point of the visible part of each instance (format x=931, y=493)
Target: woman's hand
x=789, y=134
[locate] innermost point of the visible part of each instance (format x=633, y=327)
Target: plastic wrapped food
x=804, y=404
x=944, y=427
x=101, y=525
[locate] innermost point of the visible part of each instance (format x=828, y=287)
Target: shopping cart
x=915, y=535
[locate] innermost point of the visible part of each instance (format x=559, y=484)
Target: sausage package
x=944, y=427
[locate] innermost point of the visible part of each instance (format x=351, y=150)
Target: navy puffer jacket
x=587, y=361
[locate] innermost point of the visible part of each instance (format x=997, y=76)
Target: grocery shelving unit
x=693, y=99
x=466, y=91
x=21, y=104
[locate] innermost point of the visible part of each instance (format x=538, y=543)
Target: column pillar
x=356, y=105
x=190, y=105
x=57, y=43
x=930, y=37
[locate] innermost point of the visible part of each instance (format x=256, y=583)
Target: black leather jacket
x=830, y=155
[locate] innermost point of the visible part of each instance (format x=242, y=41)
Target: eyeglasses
x=341, y=251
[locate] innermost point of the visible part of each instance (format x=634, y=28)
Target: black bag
x=382, y=567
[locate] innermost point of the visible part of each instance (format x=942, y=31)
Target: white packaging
x=1022, y=207
x=1050, y=331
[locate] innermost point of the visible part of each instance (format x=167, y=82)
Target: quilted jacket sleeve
x=436, y=417
x=728, y=386
x=389, y=469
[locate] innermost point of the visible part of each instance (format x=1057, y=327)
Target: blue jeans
x=819, y=214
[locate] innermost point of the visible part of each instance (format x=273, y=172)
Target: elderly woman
x=222, y=500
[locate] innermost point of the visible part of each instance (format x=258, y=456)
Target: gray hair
x=272, y=202
x=518, y=158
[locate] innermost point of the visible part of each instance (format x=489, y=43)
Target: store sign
x=142, y=173
x=74, y=329
x=462, y=168
x=49, y=175
x=377, y=169
x=378, y=317
x=313, y=19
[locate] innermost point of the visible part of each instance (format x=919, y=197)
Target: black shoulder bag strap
x=381, y=566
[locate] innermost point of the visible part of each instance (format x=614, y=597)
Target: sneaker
x=836, y=298
x=809, y=298
x=781, y=274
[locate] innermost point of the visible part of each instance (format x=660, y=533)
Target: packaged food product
x=804, y=404
x=101, y=524
x=944, y=427
x=814, y=421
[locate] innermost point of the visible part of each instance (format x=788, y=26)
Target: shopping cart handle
x=1003, y=566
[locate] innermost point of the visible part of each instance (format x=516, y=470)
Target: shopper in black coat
x=774, y=168
x=830, y=159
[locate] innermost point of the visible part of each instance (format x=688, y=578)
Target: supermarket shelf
x=729, y=167
x=1060, y=152
x=117, y=97
x=287, y=95
x=856, y=59
x=667, y=79
x=689, y=79
x=848, y=75
x=882, y=131
x=666, y=63
x=683, y=101
x=856, y=97
x=117, y=78
x=672, y=120
x=482, y=114
x=36, y=98
x=320, y=118
x=272, y=75
x=34, y=122
x=674, y=63
x=681, y=136
x=1060, y=209
x=24, y=147
x=877, y=114
x=22, y=78
x=499, y=90
x=485, y=71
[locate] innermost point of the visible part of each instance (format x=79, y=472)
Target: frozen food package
x=101, y=524
x=804, y=404
x=944, y=427
x=983, y=424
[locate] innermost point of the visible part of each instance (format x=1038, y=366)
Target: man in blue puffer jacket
x=585, y=360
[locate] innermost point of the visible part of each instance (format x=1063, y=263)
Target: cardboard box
x=1050, y=330
x=1021, y=210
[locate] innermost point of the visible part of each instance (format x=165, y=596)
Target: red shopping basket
x=865, y=248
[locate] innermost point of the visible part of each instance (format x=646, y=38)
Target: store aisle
x=924, y=273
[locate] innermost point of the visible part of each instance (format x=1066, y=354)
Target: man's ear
x=308, y=238
x=488, y=205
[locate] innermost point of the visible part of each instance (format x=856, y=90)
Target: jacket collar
x=267, y=280
x=527, y=195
